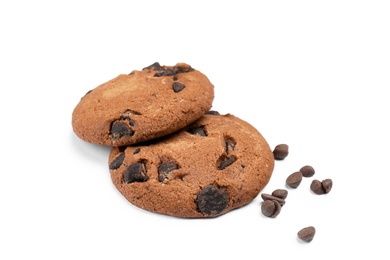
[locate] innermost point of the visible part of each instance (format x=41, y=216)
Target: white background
x=311, y=74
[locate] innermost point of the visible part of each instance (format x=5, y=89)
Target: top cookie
x=143, y=105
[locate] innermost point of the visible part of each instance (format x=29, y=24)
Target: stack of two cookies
x=170, y=154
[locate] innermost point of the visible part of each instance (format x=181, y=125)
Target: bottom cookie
x=217, y=164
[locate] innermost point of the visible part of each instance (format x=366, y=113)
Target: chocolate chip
x=212, y=200
x=117, y=162
x=307, y=234
x=177, y=86
x=119, y=130
x=265, y=197
x=230, y=145
x=280, y=193
x=212, y=112
x=327, y=185
x=270, y=208
x=135, y=173
x=321, y=187
x=307, y=171
x=280, y=151
x=316, y=187
x=294, y=179
x=137, y=150
x=225, y=161
x=197, y=131
x=154, y=66
x=166, y=168
x=164, y=72
x=172, y=71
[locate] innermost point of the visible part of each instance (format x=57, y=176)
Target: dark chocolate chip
x=117, y=162
x=137, y=150
x=280, y=151
x=316, y=187
x=135, y=173
x=265, y=197
x=197, y=131
x=166, y=168
x=327, y=185
x=177, y=86
x=172, y=71
x=212, y=112
x=154, y=66
x=119, y=130
x=321, y=187
x=165, y=72
x=230, y=145
x=294, y=179
x=280, y=193
x=270, y=208
x=225, y=161
x=307, y=234
x=212, y=200
x=307, y=171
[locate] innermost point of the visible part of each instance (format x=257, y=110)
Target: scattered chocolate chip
x=230, y=145
x=270, y=208
x=307, y=171
x=225, y=161
x=135, y=173
x=137, y=150
x=265, y=197
x=280, y=193
x=212, y=200
x=294, y=179
x=316, y=187
x=119, y=130
x=321, y=187
x=166, y=168
x=280, y=151
x=327, y=185
x=117, y=162
x=154, y=66
x=307, y=234
x=197, y=131
x=177, y=86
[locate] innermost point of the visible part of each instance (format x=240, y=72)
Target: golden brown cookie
x=143, y=105
x=207, y=169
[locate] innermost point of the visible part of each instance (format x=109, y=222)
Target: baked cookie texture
x=217, y=164
x=146, y=104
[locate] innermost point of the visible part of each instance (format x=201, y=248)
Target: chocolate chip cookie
x=217, y=164
x=143, y=105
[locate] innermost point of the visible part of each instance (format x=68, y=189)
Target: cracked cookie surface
x=207, y=169
x=143, y=105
